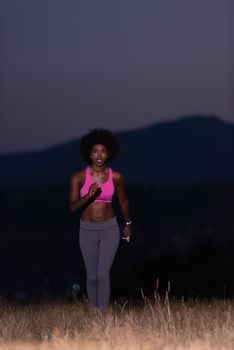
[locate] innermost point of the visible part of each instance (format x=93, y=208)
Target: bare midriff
x=98, y=211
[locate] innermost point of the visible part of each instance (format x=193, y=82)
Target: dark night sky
x=67, y=66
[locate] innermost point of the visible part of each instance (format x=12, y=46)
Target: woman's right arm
x=75, y=201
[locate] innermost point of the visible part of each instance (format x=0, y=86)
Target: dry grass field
x=154, y=324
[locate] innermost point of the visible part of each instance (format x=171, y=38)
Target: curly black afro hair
x=99, y=136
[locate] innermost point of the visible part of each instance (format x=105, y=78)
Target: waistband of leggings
x=90, y=225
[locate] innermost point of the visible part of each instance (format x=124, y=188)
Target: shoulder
x=78, y=176
x=117, y=177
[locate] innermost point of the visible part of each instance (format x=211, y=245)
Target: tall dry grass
x=155, y=324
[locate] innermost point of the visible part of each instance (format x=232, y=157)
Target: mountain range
x=190, y=150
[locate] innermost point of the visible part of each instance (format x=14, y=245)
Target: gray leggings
x=98, y=243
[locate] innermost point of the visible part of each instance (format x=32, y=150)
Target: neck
x=98, y=169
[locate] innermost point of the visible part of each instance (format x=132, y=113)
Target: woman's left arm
x=123, y=202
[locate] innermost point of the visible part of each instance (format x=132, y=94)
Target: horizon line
x=121, y=131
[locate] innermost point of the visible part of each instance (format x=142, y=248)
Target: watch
x=128, y=223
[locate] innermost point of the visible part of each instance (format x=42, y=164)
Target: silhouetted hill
x=178, y=153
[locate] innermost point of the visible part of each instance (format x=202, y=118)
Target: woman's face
x=99, y=155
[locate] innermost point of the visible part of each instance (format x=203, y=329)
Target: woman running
x=92, y=189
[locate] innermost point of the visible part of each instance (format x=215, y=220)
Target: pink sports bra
x=107, y=187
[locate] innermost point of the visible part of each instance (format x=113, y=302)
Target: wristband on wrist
x=127, y=223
